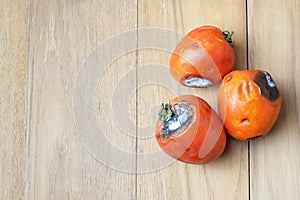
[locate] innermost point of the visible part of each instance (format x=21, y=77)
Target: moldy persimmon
x=203, y=57
x=249, y=103
x=190, y=131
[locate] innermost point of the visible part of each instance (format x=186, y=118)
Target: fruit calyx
x=227, y=35
x=165, y=112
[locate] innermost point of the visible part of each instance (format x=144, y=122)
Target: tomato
x=203, y=57
x=249, y=103
x=190, y=131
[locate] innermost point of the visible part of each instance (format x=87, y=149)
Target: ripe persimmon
x=249, y=103
x=203, y=57
x=189, y=130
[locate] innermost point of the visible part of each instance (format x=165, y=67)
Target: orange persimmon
x=249, y=103
x=203, y=57
x=189, y=130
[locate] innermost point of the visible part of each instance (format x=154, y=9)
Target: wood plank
x=13, y=75
x=64, y=160
x=158, y=177
x=274, y=27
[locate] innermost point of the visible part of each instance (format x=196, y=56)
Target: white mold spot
x=174, y=126
x=197, y=82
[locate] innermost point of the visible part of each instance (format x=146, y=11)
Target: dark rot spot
x=245, y=121
x=188, y=149
x=195, y=44
x=267, y=86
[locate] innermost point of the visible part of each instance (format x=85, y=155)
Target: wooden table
x=47, y=152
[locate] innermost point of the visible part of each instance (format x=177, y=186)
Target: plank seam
x=247, y=65
x=136, y=97
x=28, y=108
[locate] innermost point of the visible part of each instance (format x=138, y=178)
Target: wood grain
x=63, y=36
x=227, y=176
x=13, y=76
x=47, y=45
x=274, y=28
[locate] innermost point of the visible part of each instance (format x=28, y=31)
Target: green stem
x=227, y=35
x=165, y=112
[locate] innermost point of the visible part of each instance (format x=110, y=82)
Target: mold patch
x=179, y=120
x=198, y=82
x=267, y=86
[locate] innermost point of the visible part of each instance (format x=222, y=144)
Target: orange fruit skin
x=203, y=141
x=247, y=109
x=203, y=52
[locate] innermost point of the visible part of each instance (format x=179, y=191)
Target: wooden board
x=79, y=102
x=63, y=161
x=274, y=27
x=13, y=79
x=158, y=179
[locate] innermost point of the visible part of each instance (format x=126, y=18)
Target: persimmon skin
x=203, y=53
x=203, y=141
x=248, y=103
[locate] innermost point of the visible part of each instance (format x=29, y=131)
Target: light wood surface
x=218, y=179
x=82, y=82
x=274, y=46
x=63, y=35
x=13, y=78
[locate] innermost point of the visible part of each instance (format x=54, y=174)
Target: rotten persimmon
x=249, y=103
x=189, y=130
x=203, y=57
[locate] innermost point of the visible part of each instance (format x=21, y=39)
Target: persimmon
x=249, y=103
x=203, y=57
x=189, y=130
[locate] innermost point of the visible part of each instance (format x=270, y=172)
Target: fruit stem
x=227, y=35
x=165, y=112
